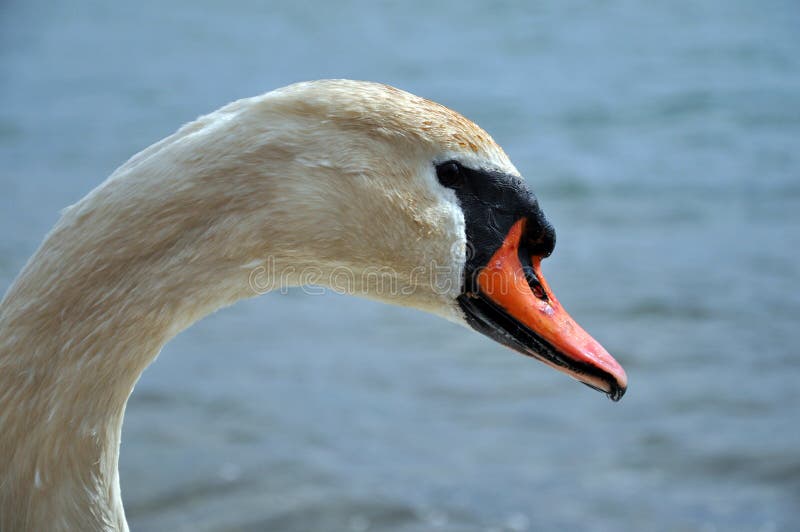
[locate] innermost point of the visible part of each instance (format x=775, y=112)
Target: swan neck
x=122, y=272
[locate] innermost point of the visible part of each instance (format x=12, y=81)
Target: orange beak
x=512, y=295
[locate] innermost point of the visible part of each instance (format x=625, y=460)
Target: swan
x=415, y=203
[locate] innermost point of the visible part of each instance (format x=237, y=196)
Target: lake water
x=664, y=144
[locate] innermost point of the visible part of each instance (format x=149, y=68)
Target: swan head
x=393, y=197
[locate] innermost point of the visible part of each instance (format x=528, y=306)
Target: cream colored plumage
x=324, y=175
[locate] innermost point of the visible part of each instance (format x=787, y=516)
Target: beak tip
x=617, y=378
x=617, y=392
x=618, y=385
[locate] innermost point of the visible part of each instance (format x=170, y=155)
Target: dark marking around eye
x=492, y=201
x=450, y=174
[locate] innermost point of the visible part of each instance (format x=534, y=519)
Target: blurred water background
x=663, y=141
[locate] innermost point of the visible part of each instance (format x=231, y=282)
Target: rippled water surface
x=664, y=144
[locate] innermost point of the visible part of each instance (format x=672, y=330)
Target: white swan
x=414, y=202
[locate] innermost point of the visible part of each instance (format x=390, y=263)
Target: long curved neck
x=171, y=236
x=76, y=330
x=139, y=259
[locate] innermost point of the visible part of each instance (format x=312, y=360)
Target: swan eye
x=450, y=174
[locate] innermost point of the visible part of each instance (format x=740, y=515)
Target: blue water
x=664, y=144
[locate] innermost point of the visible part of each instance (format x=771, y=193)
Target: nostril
x=533, y=282
x=539, y=292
